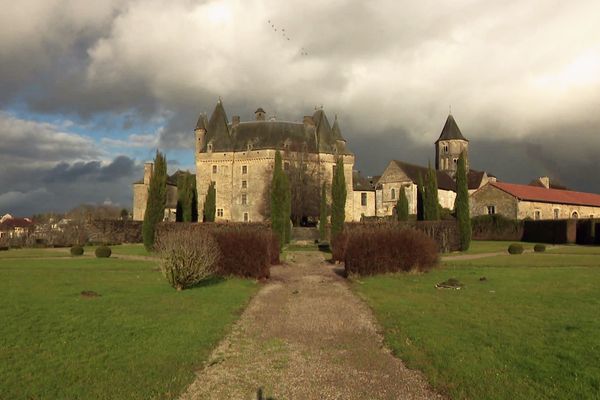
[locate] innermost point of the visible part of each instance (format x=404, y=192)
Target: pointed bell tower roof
x=202, y=122
x=218, y=128
x=337, y=132
x=451, y=131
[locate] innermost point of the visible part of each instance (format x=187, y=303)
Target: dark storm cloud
x=522, y=77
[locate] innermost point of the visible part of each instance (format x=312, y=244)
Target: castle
x=239, y=157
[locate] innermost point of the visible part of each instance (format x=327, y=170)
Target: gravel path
x=305, y=335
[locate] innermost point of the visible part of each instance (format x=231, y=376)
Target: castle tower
x=449, y=147
x=200, y=132
x=260, y=114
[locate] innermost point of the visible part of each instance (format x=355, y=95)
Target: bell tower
x=449, y=146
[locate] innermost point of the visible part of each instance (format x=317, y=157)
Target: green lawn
x=529, y=331
x=135, y=249
x=140, y=340
x=488, y=246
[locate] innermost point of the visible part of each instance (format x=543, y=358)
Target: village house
x=11, y=228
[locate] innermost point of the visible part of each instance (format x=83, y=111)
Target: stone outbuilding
x=140, y=194
x=537, y=201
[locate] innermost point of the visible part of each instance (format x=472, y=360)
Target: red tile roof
x=541, y=194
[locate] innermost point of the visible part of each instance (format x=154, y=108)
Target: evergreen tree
x=420, y=199
x=402, y=206
x=157, y=200
x=193, y=198
x=187, y=198
x=280, y=202
x=181, y=196
x=461, y=204
x=210, y=203
x=323, y=213
x=338, y=199
x=431, y=203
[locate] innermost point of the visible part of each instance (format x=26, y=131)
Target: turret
x=340, y=142
x=449, y=146
x=148, y=169
x=200, y=132
x=260, y=114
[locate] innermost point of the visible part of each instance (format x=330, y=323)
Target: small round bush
x=515, y=248
x=539, y=248
x=103, y=252
x=76, y=250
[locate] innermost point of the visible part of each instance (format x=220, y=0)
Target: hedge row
x=247, y=250
x=550, y=231
x=383, y=249
x=496, y=227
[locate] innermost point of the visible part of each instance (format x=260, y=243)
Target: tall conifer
x=157, y=200
x=431, y=203
x=461, y=204
x=323, y=213
x=210, y=204
x=420, y=199
x=280, y=202
x=338, y=199
x=402, y=206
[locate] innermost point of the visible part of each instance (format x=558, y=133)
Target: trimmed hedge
x=76, y=251
x=516, y=248
x=103, y=252
x=496, y=227
x=539, y=248
x=247, y=249
x=556, y=231
x=387, y=249
x=3, y=248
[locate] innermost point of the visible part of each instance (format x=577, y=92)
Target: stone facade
x=491, y=199
x=140, y=194
x=240, y=156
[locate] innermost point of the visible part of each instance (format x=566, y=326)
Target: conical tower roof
x=217, y=130
x=451, y=131
x=335, y=129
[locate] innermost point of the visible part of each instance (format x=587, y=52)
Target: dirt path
x=305, y=335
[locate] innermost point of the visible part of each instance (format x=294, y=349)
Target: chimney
x=235, y=120
x=148, y=168
x=545, y=181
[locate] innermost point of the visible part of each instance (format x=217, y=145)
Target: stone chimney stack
x=235, y=120
x=545, y=181
x=148, y=169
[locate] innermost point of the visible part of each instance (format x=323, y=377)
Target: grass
x=122, y=249
x=489, y=246
x=139, y=340
x=529, y=331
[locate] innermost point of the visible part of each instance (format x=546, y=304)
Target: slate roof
x=543, y=195
x=451, y=131
x=360, y=183
x=444, y=181
x=474, y=179
x=283, y=135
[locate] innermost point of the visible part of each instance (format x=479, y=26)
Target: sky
x=90, y=90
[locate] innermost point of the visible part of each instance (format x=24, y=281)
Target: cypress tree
x=431, y=203
x=461, y=204
x=193, y=196
x=420, y=199
x=402, y=206
x=338, y=199
x=157, y=200
x=281, y=202
x=181, y=197
x=210, y=204
x=188, y=196
x=323, y=213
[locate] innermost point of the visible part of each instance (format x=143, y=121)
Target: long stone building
x=239, y=156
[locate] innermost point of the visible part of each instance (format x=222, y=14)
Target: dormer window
x=249, y=146
x=209, y=147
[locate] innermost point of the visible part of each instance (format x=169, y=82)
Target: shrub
x=103, y=252
x=3, y=248
x=274, y=249
x=539, y=248
x=550, y=231
x=245, y=253
x=338, y=247
x=186, y=259
x=515, y=248
x=76, y=251
x=496, y=227
x=389, y=250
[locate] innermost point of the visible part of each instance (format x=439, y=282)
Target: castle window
x=214, y=169
x=363, y=199
x=393, y=194
x=446, y=148
x=575, y=215
x=219, y=212
x=537, y=215
x=455, y=161
x=491, y=210
x=209, y=146
x=244, y=184
x=556, y=213
x=244, y=169
x=246, y=217
x=244, y=199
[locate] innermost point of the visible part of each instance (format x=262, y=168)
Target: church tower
x=449, y=147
